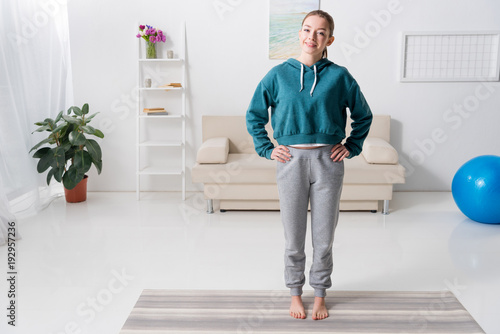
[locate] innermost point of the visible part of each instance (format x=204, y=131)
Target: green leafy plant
x=69, y=154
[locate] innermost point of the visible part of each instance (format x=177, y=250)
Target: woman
x=308, y=97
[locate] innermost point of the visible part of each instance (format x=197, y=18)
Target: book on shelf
x=155, y=111
x=172, y=85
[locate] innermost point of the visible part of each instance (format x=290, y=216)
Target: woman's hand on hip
x=339, y=153
x=281, y=153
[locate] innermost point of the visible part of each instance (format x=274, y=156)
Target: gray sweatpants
x=310, y=175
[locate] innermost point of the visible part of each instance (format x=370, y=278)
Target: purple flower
x=151, y=34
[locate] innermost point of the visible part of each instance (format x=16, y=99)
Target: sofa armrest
x=213, y=151
x=378, y=151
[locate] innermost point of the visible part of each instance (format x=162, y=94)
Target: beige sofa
x=234, y=174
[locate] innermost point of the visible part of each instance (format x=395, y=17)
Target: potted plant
x=68, y=153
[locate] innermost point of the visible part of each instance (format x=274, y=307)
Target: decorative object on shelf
x=147, y=83
x=70, y=153
x=163, y=113
x=155, y=111
x=172, y=85
x=170, y=54
x=151, y=36
x=150, y=50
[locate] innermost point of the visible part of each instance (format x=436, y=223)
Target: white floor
x=82, y=266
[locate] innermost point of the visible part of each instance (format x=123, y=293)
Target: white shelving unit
x=161, y=71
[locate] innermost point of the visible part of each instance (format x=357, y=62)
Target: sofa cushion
x=359, y=171
x=240, y=168
x=250, y=168
x=213, y=151
x=378, y=151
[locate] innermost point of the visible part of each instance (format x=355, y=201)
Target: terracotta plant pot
x=78, y=193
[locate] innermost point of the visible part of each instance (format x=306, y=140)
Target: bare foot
x=297, y=308
x=320, y=311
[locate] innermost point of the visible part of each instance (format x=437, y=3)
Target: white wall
x=227, y=56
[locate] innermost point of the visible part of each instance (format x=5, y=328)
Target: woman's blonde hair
x=328, y=18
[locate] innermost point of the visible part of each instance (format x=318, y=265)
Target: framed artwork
x=285, y=20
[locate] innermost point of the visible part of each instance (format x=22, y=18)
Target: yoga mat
x=196, y=311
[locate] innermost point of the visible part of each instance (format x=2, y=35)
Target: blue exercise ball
x=476, y=189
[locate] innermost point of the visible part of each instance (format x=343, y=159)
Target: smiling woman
x=308, y=97
x=316, y=34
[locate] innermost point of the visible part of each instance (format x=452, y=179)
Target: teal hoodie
x=308, y=105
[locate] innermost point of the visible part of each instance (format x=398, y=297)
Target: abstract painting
x=285, y=20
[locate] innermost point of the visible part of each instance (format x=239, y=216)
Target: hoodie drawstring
x=302, y=79
x=314, y=84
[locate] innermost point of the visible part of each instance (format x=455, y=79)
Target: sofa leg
x=210, y=206
x=385, y=210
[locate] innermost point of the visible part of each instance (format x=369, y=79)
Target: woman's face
x=314, y=36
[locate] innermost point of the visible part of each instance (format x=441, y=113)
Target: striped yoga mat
x=188, y=311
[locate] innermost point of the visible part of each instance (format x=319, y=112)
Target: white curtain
x=35, y=83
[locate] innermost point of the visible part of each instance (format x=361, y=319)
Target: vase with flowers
x=151, y=36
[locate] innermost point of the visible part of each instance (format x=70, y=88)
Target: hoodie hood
x=316, y=68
